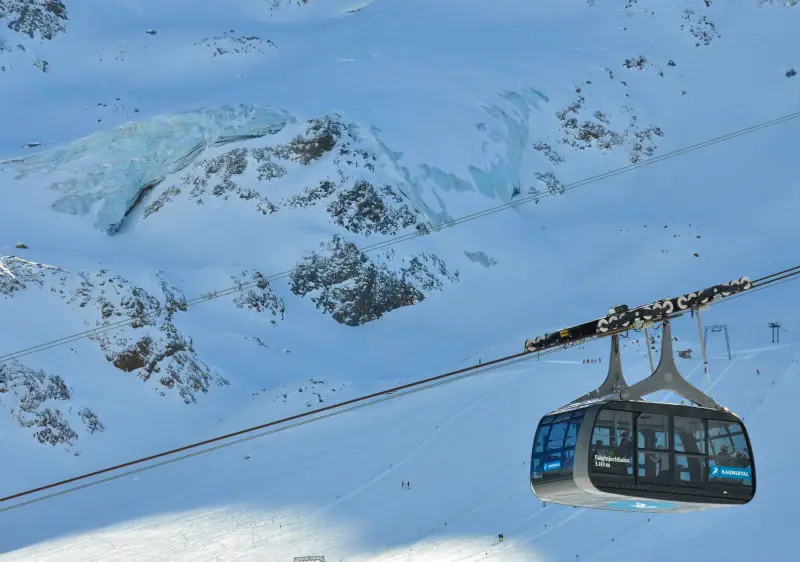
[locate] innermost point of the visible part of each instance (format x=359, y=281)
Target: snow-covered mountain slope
x=334, y=487
x=160, y=154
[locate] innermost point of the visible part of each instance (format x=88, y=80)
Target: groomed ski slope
x=333, y=487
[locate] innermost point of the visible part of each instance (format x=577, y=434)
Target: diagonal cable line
x=408, y=236
x=335, y=409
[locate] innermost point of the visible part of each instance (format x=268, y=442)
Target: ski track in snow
x=408, y=457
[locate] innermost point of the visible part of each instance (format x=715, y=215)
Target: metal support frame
x=703, y=348
x=615, y=380
x=649, y=350
x=664, y=377
x=667, y=377
x=716, y=328
x=776, y=332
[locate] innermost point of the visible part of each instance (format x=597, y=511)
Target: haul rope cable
x=425, y=384
x=408, y=236
x=381, y=397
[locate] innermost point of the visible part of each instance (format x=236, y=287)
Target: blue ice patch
x=641, y=505
x=730, y=472
x=554, y=465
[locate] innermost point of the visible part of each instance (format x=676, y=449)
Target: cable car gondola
x=611, y=449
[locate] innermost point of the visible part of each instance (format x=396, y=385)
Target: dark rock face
x=361, y=210
x=148, y=342
x=34, y=17
x=222, y=176
x=344, y=281
x=353, y=289
x=278, y=4
x=134, y=329
x=34, y=396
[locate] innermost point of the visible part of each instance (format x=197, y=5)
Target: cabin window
x=691, y=469
x=541, y=435
x=729, y=456
x=652, y=432
x=554, y=446
x=653, y=468
x=670, y=450
x=612, y=448
x=690, y=435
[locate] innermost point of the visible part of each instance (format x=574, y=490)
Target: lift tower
x=776, y=332
x=715, y=329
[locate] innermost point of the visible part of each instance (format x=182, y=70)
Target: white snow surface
x=447, y=100
x=333, y=487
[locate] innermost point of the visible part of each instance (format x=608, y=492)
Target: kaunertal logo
x=730, y=472
x=554, y=465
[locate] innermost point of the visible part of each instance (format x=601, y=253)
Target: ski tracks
x=409, y=456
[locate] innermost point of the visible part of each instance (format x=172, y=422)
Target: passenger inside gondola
x=728, y=449
x=646, y=454
x=653, y=448
x=612, y=452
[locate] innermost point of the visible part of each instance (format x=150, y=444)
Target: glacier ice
x=104, y=175
x=107, y=171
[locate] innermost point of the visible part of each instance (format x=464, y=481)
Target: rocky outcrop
x=363, y=209
x=223, y=176
x=40, y=402
x=134, y=328
x=43, y=18
x=702, y=29
x=230, y=44
x=314, y=392
x=354, y=289
x=344, y=282
x=145, y=341
x=278, y=4
x=252, y=290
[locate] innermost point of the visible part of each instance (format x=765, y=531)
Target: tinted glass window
x=541, y=435
x=690, y=435
x=729, y=455
x=612, y=428
x=555, y=441
x=554, y=447
x=691, y=470
x=568, y=459
x=654, y=468
x=652, y=431
x=612, y=448
x=572, y=434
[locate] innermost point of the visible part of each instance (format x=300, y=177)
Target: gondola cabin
x=642, y=456
x=611, y=449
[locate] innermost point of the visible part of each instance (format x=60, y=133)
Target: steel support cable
x=336, y=409
x=795, y=269
x=761, y=287
x=786, y=277
x=404, y=237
